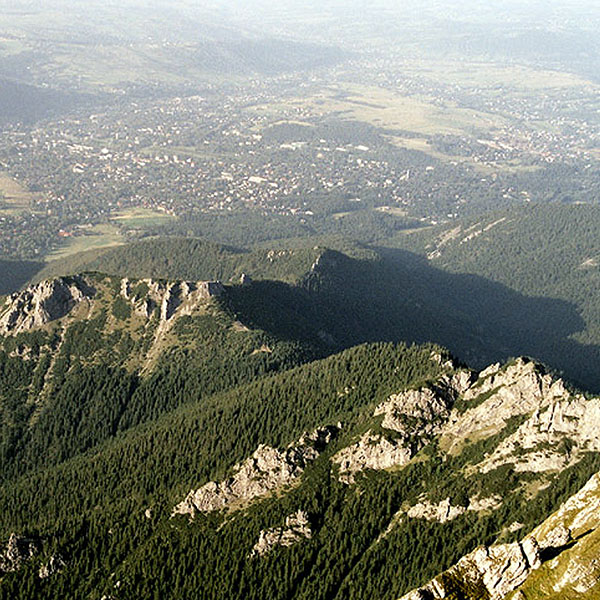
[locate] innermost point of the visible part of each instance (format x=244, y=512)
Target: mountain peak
x=43, y=302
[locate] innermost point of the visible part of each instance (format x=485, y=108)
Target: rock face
x=182, y=297
x=44, y=302
x=17, y=551
x=421, y=413
x=553, y=437
x=578, y=515
x=573, y=533
x=571, y=537
x=297, y=528
x=370, y=452
x=496, y=396
x=488, y=572
x=557, y=428
x=245, y=279
x=55, y=565
x=267, y=470
x=444, y=511
x=416, y=415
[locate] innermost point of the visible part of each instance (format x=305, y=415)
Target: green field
x=110, y=234
x=98, y=236
x=141, y=218
x=384, y=108
x=490, y=75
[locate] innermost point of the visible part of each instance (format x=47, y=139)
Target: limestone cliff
x=497, y=395
x=170, y=297
x=557, y=560
x=18, y=550
x=372, y=451
x=267, y=470
x=44, y=302
x=297, y=528
x=415, y=416
x=445, y=511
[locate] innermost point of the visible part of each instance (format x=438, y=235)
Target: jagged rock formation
x=557, y=426
x=17, y=551
x=553, y=437
x=55, y=565
x=146, y=294
x=417, y=415
x=372, y=451
x=297, y=527
x=559, y=557
x=421, y=413
x=44, y=302
x=574, y=529
x=444, y=511
x=496, y=396
x=579, y=514
x=171, y=300
x=267, y=470
x=488, y=572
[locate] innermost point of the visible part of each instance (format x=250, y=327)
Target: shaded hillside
x=548, y=251
x=378, y=294
x=16, y=273
x=400, y=296
x=186, y=258
x=24, y=103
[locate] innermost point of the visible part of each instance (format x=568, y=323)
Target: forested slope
x=186, y=258
x=362, y=293
x=106, y=514
x=542, y=251
x=177, y=439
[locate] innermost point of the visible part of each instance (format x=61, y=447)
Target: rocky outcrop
x=18, y=550
x=55, y=565
x=445, y=511
x=571, y=539
x=563, y=549
x=416, y=416
x=44, y=302
x=245, y=279
x=442, y=512
x=421, y=413
x=579, y=515
x=171, y=297
x=488, y=572
x=372, y=451
x=496, y=396
x=297, y=528
x=553, y=437
x=267, y=470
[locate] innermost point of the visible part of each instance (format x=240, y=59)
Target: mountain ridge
x=261, y=438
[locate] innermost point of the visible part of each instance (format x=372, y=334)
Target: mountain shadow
x=16, y=273
x=400, y=297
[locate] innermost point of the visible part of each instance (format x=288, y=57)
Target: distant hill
x=186, y=258
x=376, y=294
x=26, y=103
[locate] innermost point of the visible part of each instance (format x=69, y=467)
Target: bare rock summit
x=44, y=302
